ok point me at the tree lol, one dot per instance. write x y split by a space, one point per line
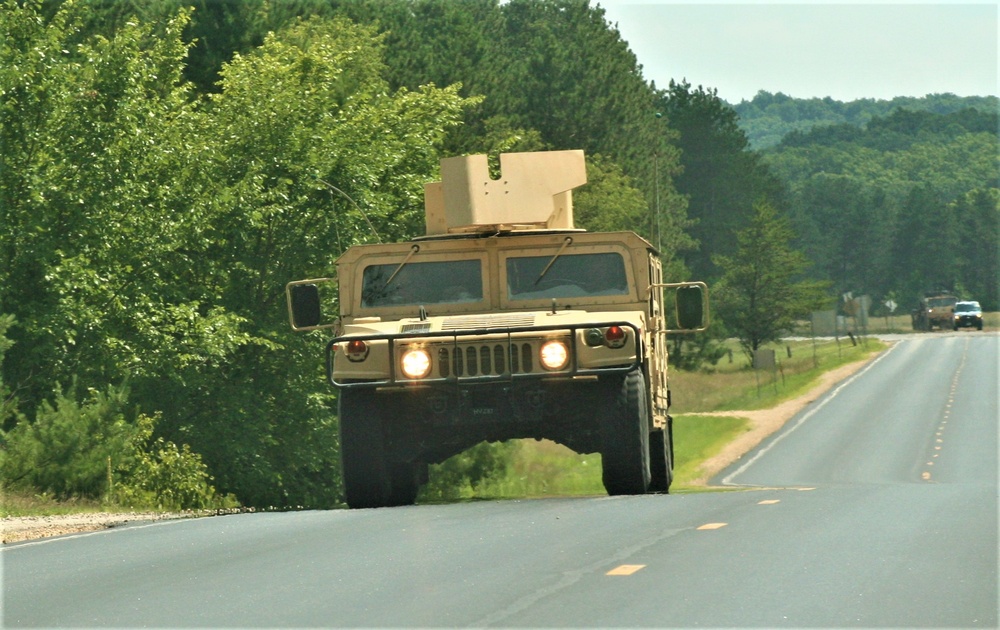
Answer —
759 296
147 235
978 214
721 176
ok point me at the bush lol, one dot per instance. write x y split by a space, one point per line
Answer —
66 450
159 474
91 450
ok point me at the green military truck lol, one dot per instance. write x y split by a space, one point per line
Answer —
504 321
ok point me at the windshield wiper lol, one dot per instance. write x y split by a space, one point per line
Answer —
413 250
566 243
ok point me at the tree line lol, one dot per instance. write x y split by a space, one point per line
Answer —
165 170
767 118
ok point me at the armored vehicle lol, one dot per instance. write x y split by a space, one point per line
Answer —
936 308
504 321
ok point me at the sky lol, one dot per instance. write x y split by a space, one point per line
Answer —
846 51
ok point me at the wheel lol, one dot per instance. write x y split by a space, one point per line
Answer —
979 326
404 482
625 435
370 479
661 461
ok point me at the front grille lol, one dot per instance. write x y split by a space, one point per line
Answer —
485 359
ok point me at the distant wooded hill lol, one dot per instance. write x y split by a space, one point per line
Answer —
768 118
905 203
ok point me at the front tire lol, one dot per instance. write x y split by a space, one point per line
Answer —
371 480
661 465
625 435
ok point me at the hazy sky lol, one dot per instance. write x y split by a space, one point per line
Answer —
804 49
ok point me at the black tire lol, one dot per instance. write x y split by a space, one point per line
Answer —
625 435
979 326
404 481
661 464
370 479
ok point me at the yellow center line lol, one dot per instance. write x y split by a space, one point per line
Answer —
713 526
626 569
769 502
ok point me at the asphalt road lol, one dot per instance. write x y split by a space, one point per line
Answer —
876 506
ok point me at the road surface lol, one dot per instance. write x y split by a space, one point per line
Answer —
876 506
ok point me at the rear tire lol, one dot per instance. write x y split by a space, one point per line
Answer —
625 435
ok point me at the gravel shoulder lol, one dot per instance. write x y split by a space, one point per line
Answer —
763 423
17 529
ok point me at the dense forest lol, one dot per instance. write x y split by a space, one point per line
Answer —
165 170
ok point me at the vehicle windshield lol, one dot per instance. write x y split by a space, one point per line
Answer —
421 283
966 307
569 276
933 302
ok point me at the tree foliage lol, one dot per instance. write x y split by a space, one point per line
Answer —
885 209
148 234
761 292
768 118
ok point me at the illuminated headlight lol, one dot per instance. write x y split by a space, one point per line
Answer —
415 363
554 355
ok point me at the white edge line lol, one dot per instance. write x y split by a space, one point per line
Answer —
727 480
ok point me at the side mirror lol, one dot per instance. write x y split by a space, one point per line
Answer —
690 308
304 305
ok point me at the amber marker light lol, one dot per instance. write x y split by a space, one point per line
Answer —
554 355
357 350
615 336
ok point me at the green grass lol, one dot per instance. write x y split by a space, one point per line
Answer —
543 468
734 385
13 504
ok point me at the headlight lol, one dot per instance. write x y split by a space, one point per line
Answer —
416 363
554 355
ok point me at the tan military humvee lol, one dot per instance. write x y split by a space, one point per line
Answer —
936 308
503 322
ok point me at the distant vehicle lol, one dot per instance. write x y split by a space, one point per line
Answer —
505 321
936 308
967 315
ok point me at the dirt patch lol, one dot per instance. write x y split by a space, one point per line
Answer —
764 422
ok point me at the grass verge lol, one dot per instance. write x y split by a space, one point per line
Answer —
543 468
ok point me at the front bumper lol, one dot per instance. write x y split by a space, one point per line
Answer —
502 354
968 322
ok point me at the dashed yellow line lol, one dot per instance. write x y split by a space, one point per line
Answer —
712 526
769 502
626 569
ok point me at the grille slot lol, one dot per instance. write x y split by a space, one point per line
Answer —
485 359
